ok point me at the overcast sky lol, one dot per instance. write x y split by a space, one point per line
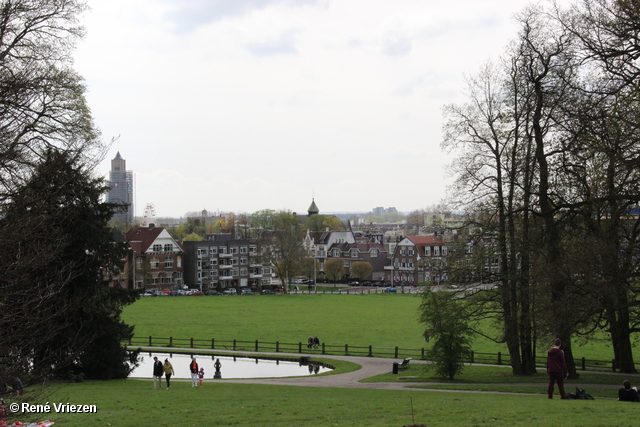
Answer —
242 105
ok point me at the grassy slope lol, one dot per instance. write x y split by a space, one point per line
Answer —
387 321
134 403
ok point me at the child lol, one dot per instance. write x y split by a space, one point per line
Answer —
201 375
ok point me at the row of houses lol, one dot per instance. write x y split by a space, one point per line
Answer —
157 260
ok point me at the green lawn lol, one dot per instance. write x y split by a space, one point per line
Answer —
382 320
378 320
134 403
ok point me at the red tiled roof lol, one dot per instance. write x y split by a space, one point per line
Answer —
426 240
140 239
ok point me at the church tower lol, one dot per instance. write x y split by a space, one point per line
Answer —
121 183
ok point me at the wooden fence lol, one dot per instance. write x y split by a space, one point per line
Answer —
343 350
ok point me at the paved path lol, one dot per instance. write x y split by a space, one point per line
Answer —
370 366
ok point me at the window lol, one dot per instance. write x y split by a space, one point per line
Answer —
168 263
427 251
168 247
234 271
154 263
244 271
373 253
346 263
444 251
243 260
179 262
234 261
436 251
335 253
214 261
223 249
213 250
234 250
244 250
214 273
157 248
266 270
138 263
354 253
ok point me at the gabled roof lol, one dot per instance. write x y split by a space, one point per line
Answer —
141 238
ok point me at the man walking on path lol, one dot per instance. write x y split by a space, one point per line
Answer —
157 373
557 369
193 367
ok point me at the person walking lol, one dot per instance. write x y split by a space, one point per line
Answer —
193 367
168 371
557 369
157 373
201 376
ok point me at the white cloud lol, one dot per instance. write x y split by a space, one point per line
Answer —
247 105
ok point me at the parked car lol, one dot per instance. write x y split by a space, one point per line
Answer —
194 292
160 294
354 283
211 292
167 291
268 292
230 291
179 293
390 289
246 291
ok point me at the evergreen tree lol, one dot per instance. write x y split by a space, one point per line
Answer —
59 314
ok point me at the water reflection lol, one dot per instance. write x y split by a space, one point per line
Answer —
231 367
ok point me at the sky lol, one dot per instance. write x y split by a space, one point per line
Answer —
244 105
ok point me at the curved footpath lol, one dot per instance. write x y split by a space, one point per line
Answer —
370 367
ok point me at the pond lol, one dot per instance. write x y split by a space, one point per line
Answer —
232 367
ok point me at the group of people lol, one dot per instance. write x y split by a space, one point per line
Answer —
166 369
558 372
159 369
313 342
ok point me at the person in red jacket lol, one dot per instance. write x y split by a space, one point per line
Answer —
557 369
193 367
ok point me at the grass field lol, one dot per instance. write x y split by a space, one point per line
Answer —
134 403
382 320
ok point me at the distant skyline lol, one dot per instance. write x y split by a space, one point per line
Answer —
263 104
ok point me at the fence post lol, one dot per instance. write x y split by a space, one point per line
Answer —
256 345
613 365
170 341
370 351
299 347
396 352
277 346
234 345
472 356
499 358
150 345
422 353
213 343
584 364
322 348
346 349
191 342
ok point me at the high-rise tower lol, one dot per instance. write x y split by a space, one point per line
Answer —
121 183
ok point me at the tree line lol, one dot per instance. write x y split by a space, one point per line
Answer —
547 165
